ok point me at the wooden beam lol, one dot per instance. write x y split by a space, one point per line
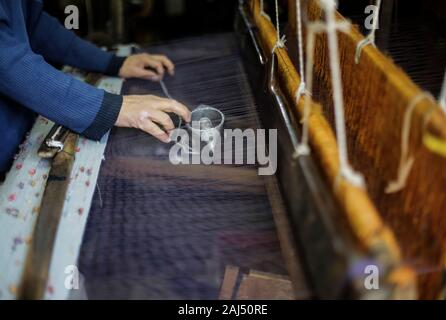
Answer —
361 215
35 276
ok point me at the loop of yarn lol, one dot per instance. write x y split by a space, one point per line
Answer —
332 27
370 39
280 40
262 11
406 161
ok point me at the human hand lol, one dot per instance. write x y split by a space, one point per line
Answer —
148 113
136 66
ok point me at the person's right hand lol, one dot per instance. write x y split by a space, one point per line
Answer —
150 114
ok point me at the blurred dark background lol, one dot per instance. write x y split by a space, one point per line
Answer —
412 32
147 21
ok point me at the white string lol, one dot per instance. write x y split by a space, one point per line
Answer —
407 161
262 11
165 91
301 90
304 148
332 26
100 195
300 40
276 2
313 28
370 39
442 99
280 43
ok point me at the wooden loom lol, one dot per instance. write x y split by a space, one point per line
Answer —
372 231
406 230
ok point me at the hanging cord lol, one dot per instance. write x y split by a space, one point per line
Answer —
304 148
302 86
313 28
406 160
346 171
280 43
442 99
262 11
370 39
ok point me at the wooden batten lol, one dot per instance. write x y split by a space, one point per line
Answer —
376 94
361 214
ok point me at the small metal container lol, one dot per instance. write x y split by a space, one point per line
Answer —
205 128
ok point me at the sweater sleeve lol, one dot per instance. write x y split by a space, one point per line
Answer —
29 80
57 44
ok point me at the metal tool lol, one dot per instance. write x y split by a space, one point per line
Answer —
54 142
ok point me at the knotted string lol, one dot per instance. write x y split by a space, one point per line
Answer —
302 86
346 171
280 43
370 39
406 161
304 148
262 11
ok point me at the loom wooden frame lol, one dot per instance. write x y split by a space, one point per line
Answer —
371 228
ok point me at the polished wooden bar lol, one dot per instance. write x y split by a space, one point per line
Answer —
360 212
377 94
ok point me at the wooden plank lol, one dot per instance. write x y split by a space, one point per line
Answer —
288 246
229 283
35 276
265 286
360 211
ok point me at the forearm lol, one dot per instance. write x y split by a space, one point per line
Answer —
57 44
29 80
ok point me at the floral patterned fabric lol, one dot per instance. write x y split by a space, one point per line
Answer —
20 197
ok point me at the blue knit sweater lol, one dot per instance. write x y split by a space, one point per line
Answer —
29 85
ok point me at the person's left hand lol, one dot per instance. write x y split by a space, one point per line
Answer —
146 66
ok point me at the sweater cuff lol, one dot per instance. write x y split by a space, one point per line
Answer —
114 65
105 118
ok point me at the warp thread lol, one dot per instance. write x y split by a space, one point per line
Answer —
164 88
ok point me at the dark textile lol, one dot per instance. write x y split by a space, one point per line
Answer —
159 231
